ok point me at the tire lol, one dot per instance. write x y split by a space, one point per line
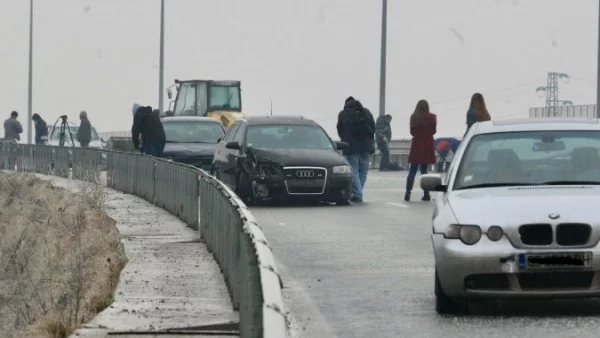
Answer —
243 188
445 305
342 202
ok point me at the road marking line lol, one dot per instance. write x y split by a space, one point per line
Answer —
402 205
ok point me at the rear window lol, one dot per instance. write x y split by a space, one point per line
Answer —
192 131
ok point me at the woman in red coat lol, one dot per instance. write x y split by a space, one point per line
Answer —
423 125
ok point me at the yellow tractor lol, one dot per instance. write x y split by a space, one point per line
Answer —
221 100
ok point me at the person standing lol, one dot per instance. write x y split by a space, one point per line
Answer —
41 129
149 126
423 125
356 127
383 136
84 133
477 111
12 127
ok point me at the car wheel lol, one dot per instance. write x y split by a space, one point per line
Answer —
244 188
445 304
342 201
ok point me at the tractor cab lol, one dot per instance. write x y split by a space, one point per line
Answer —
221 100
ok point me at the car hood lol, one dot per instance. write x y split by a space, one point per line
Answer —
299 157
189 149
520 205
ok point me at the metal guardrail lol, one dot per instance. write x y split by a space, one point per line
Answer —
226 225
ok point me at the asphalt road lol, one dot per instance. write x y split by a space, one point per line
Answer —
367 271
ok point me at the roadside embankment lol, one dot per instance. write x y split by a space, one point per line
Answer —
60 256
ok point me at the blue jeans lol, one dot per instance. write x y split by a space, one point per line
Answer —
360 167
154 149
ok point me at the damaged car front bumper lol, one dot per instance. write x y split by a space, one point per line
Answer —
270 182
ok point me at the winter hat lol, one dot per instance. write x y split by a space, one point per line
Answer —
135 108
350 98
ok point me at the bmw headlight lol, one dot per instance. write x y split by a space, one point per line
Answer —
468 234
342 169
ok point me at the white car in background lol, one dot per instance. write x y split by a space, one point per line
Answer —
517 217
54 136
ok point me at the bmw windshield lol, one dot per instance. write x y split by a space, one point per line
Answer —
530 158
288 137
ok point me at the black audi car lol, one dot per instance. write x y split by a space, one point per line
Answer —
192 139
280 158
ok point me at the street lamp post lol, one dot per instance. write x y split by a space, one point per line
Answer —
382 71
598 73
30 89
162 57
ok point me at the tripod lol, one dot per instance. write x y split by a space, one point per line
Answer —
64 127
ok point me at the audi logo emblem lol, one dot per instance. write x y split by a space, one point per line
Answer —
305 173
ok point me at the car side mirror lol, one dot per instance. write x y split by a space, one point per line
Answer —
170 94
219 140
341 145
102 140
433 182
233 145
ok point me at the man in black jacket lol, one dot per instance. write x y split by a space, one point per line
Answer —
41 129
356 127
150 127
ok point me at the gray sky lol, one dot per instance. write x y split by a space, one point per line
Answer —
305 55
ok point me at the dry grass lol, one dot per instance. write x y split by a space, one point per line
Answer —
60 257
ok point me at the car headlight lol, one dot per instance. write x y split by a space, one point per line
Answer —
495 233
468 234
342 169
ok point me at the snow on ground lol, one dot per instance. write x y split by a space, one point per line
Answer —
171 280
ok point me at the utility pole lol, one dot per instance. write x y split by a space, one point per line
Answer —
551 89
161 71
382 71
598 73
30 84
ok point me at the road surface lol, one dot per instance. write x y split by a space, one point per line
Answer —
367 271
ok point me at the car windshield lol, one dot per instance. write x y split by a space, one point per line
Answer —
530 158
55 135
288 137
192 132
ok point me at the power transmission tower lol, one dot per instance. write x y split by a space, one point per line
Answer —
551 90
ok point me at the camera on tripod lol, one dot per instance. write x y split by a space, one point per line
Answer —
64 129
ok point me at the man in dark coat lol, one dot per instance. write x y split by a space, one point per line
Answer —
356 127
41 129
149 125
84 133
383 135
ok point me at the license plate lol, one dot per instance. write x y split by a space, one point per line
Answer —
555 260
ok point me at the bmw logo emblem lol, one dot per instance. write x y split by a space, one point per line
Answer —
554 215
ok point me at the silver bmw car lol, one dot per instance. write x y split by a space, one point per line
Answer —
518 214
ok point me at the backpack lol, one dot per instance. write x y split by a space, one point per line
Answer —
360 126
